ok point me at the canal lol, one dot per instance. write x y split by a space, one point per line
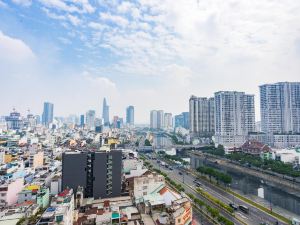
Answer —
254 187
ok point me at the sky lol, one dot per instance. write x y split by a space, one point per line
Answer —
152 54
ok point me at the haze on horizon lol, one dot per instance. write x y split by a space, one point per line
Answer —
148 53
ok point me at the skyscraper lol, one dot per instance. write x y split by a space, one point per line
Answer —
280 108
130 115
156 119
81 120
202 120
90 119
47 116
234 117
105 113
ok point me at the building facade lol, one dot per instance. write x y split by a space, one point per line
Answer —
99 173
168 121
47 116
280 108
105 113
90 119
157 119
234 117
201 116
130 115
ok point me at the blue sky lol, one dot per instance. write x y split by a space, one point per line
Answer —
148 53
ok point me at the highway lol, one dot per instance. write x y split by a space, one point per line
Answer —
255 216
191 188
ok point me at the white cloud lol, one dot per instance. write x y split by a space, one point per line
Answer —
23 2
98 81
118 20
96 26
15 50
74 20
79 6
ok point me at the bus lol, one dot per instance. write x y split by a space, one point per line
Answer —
244 209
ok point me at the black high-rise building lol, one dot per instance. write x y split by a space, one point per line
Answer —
99 173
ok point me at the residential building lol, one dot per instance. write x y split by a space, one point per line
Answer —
99 172
202 120
234 117
146 184
130 115
157 119
61 210
105 113
90 119
280 108
36 159
9 191
47 116
168 121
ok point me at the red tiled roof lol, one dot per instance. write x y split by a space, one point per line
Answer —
64 193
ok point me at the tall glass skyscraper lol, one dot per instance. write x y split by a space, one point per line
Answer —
47 116
130 115
105 113
280 108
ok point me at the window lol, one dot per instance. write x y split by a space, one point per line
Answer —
144 187
144 193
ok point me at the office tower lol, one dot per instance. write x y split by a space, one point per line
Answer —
130 115
14 120
186 120
47 116
201 116
90 119
156 119
182 120
168 121
178 121
98 172
280 108
81 120
105 113
234 117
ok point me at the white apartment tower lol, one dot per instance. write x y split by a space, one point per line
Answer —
201 113
280 108
157 119
234 117
168 121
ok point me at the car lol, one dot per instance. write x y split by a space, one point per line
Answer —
232 205
198 185
171 168
180 173
195 181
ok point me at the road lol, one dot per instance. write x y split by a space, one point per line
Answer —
255 216
189 186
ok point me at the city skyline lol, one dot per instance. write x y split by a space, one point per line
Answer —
75 53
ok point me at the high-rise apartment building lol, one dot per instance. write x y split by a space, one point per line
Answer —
130 115
202 121
105 113
99 173
90 119
234 117
157 119
168 121
280 108
47 116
